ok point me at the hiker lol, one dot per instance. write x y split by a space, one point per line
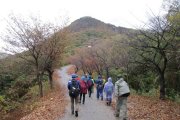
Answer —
90 85
109 89
92 90
86 77
121 92
74 90
99 87
104 80
77 78
83 90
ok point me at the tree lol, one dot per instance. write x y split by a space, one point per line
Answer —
29 39
152 48
53 51
173 17
120 56
103 56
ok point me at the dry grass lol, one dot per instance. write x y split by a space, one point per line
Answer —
145 108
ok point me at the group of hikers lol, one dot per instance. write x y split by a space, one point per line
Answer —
79 87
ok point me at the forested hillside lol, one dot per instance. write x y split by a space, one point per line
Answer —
148 58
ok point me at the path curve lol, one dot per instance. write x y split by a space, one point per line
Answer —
93 109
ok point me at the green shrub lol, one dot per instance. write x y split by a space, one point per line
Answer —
18 88
172 95
114 72
7 105
143 83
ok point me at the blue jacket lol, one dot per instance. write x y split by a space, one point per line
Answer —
70 84
99 82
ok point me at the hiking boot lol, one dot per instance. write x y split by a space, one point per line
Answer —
106 103
76 113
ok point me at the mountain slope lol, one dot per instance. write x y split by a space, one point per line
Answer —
3 55
85 23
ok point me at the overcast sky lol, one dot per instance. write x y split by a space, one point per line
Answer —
126 13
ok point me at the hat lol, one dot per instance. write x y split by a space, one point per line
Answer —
99 76
119 76
73 75
83 77
109 79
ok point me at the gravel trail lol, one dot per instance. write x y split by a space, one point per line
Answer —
93 109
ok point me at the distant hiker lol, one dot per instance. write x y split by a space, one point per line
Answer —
77 78
99 87
83 90
109 89
86 77
92 90
121 92
104 80
90 83
74 90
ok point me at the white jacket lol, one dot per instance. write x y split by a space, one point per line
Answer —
121 87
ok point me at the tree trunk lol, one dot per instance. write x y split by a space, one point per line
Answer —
40 85
107 73
83 70
162 87
50 73
127 77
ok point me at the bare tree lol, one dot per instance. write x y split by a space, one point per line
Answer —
29 39
53 51
152 48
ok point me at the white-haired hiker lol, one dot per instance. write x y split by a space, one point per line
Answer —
121 93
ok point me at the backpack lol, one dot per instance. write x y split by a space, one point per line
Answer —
83 85
100 85
90 83
74 90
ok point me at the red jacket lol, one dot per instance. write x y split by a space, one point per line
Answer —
84 86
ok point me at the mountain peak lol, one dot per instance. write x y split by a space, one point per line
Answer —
88 22
85 23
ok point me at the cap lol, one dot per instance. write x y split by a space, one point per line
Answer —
73 75
119 76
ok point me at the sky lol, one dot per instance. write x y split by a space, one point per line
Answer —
125 13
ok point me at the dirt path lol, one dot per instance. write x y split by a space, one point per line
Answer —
93 109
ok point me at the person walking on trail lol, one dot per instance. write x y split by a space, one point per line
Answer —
77 78
83 90
104 80
121 93
109 89
90 85
99 87
74 90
